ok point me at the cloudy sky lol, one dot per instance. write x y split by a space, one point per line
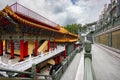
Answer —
64 12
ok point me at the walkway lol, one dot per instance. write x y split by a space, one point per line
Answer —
106 63
71 71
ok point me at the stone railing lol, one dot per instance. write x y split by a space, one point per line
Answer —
24 65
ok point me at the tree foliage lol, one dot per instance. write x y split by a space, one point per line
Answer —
73 28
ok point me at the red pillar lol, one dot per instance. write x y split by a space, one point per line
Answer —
74 46
5 45
21 50
37 70
56 60
26 49
1 47
12 49
59 58
65 52
36 48
22 75
54 45
48 45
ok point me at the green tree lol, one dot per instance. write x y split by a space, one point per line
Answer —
73 28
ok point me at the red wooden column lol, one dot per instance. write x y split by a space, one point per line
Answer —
74 46
36 47
65 52
37 70
54 45
48 45
26 49
21 50
56 60
11 49
5 45
59 58
1 47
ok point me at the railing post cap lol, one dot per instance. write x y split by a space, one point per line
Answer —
88 55
87 46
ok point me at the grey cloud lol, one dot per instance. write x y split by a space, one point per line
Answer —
63 12
69 20
58 9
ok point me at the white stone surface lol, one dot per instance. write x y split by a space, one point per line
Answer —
27 63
